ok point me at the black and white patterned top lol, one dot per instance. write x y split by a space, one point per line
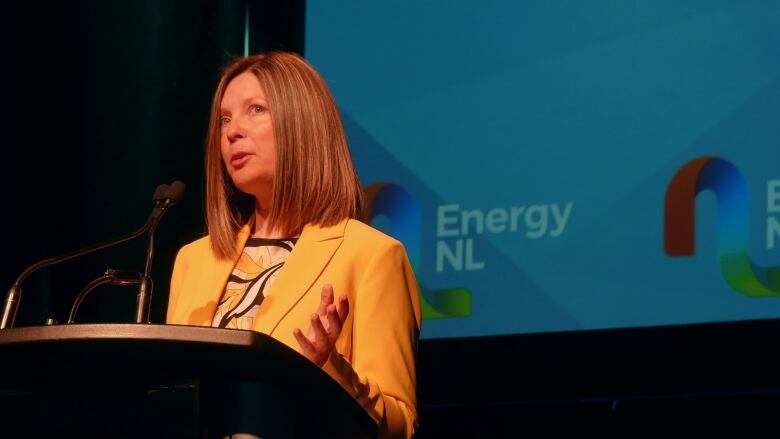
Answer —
250 281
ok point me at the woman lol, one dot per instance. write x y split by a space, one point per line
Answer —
282 202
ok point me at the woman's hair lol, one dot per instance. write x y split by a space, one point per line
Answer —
315 181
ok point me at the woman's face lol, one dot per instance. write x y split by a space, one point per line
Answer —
247 137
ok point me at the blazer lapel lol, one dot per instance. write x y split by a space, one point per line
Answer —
213 282
309 257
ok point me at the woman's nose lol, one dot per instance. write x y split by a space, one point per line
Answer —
235 132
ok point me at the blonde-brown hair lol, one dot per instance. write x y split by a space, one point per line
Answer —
315 181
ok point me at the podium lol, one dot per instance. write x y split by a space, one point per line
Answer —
140 380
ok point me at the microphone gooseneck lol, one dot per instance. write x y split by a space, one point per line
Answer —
110 277
164 197
172 196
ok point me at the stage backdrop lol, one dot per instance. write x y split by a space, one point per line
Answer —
555 166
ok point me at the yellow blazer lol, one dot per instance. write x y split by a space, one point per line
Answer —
376 351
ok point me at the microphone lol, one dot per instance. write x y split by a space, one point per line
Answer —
164 197
159 194
172 195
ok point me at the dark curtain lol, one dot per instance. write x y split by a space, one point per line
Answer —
100 102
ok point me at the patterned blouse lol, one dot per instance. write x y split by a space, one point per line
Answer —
250 281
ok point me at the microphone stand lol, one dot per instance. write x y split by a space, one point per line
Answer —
11 304
143 299
173 195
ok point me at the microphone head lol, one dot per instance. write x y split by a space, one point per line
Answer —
159 194
175 192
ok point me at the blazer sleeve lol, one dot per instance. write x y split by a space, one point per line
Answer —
381 373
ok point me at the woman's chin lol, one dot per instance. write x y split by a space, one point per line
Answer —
258 188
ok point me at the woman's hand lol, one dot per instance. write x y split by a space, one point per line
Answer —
325 327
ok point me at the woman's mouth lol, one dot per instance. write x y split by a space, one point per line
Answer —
238 159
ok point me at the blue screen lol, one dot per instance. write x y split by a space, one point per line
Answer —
556 166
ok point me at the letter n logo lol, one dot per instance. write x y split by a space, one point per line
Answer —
730 188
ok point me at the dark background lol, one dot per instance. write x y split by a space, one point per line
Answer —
102 101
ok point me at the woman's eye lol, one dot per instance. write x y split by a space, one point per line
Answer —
257 109
224 120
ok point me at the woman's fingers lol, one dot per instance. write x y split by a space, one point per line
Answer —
343 308
334 323
307 348
326 325
320 335
312 346
326 298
